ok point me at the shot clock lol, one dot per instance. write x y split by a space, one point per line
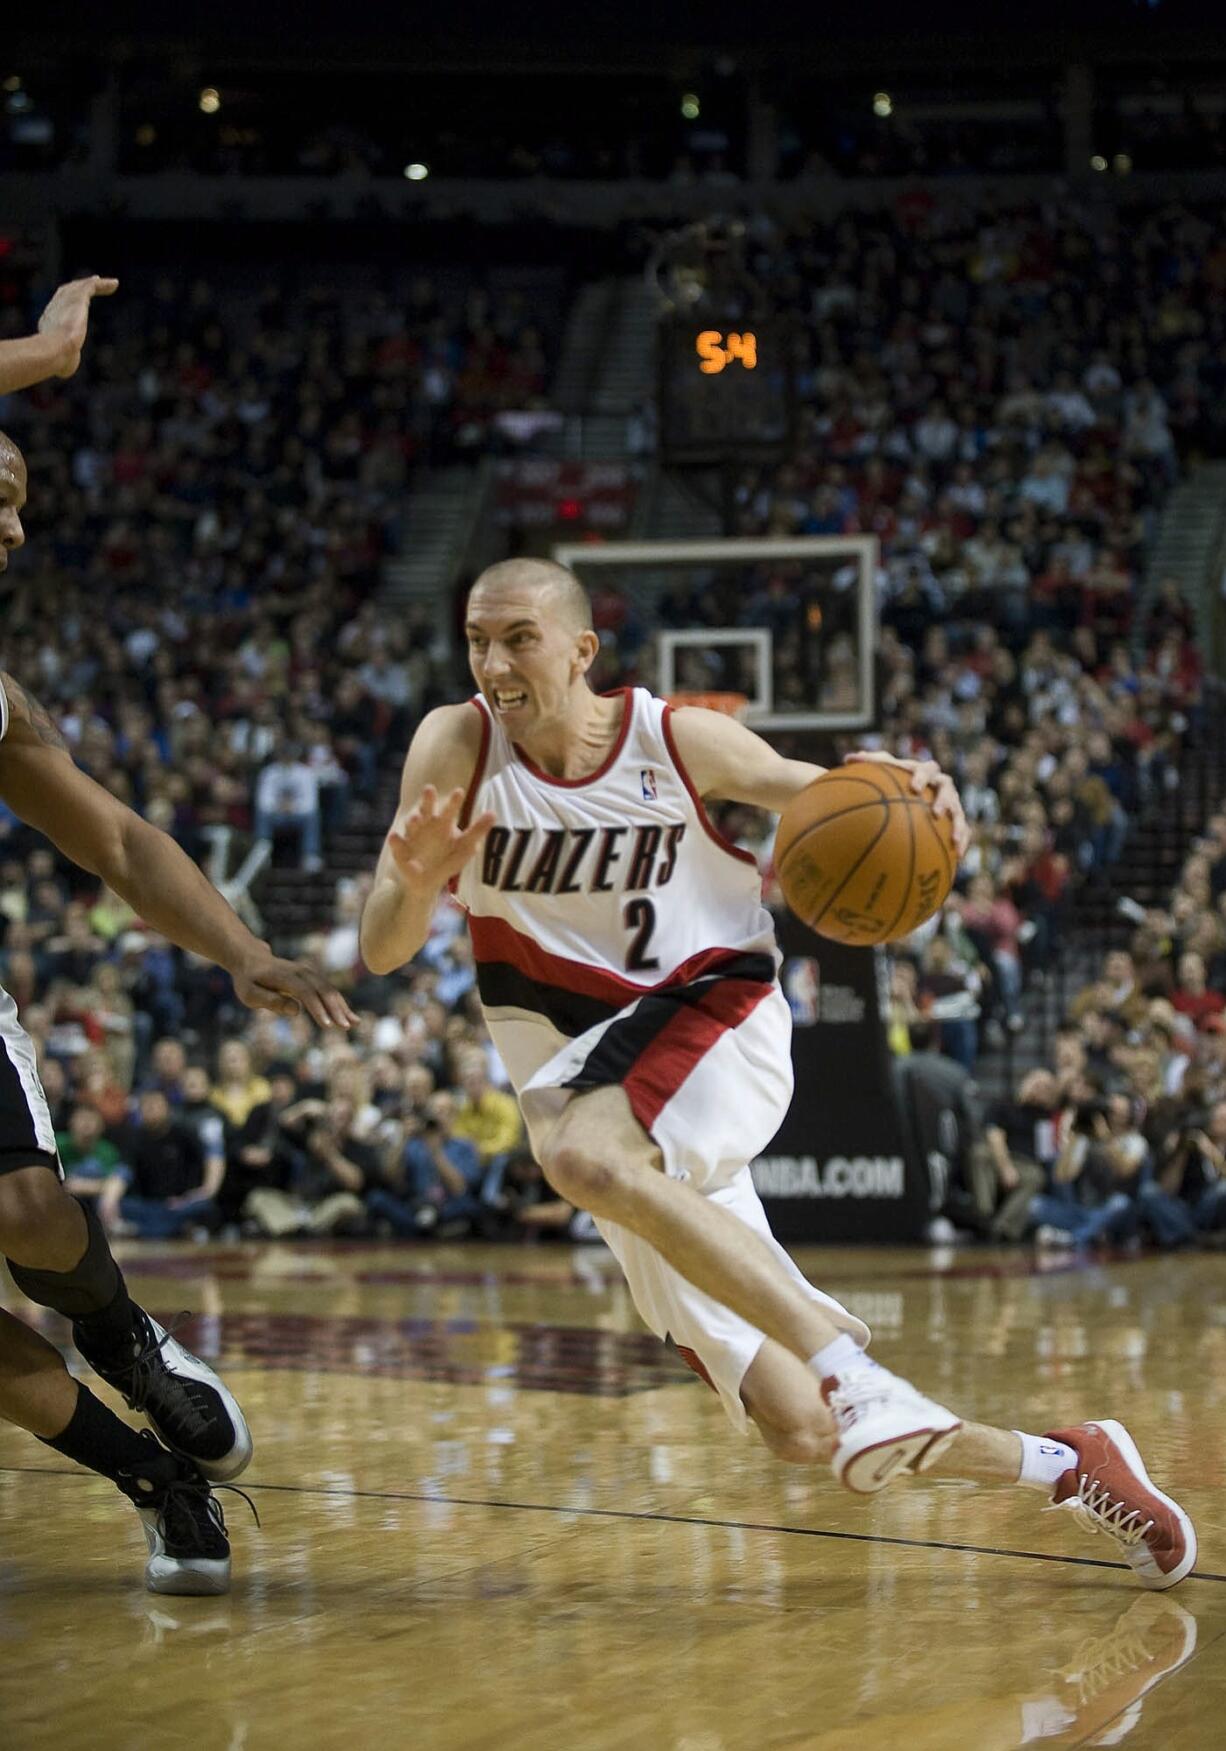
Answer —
716 351
725 393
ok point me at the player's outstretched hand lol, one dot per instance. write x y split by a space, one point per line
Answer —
927 775
67 317
263 981
430 846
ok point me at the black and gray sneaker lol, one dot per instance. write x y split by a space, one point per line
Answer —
189 1552
184 1400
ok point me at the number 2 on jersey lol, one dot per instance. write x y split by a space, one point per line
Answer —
640 916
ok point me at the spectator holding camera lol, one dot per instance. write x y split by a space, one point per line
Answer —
436 1185
1090 1193
331 1166
1189 1192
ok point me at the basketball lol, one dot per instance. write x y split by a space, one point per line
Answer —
862 858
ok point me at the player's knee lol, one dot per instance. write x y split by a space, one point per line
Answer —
799 1442
579 1176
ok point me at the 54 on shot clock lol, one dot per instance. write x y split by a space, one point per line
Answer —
726 392
717 351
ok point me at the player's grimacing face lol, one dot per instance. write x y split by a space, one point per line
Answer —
12 500
523 658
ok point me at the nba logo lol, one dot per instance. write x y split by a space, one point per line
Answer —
648 777
802 986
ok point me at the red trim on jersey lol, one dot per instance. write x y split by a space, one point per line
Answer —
493 939
470 795
610 757
693 1360
711 830
678 1048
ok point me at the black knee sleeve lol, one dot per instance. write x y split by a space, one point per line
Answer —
88 1288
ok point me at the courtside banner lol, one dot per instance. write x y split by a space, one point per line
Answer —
838 1169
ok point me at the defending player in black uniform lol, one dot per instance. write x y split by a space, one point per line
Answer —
55 1247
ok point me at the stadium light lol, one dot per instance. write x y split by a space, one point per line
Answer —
691 109
1121 164
417 172
883 104
1098 162
210 100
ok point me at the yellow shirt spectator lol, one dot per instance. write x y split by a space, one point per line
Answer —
485 1116
238 1090
491 1122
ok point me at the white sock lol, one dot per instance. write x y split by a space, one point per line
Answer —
1044 1462
839 1356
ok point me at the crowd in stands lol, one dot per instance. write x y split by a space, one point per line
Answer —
1001 397
400 1130
210 507
1010 436
1121 1139
209 513
1004 398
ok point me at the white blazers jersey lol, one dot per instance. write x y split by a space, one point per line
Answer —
619 940
592 894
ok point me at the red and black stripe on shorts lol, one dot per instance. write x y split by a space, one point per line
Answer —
661 1032
652 1050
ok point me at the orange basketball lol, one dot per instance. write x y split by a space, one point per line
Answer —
861 857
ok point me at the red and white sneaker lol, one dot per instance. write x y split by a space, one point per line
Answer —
885 1427
1109 1490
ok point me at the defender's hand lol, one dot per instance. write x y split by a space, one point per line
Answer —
927 775
67 317
430 848
263 981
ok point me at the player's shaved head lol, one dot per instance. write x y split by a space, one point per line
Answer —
564 595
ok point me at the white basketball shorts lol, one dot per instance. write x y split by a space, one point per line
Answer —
711 1087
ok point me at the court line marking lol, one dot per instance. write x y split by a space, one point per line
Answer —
296 1489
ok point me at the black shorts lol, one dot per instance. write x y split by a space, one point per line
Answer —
27 1136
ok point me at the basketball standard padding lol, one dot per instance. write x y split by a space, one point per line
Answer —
861 857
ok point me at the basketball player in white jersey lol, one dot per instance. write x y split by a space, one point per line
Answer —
56 1250
627 971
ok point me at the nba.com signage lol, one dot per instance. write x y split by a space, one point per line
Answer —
838 1169
855 1176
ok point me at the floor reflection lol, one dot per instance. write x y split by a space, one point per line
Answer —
496 1513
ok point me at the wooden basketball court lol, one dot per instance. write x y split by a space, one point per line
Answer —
496 1513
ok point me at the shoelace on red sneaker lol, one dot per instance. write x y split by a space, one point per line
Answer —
1098 1510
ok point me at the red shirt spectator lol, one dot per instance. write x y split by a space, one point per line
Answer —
1192 996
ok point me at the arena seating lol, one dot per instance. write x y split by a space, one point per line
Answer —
1014 483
